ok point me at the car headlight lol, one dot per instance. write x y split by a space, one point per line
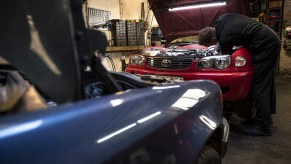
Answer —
206 63
219 62
240 61
222 62
137 59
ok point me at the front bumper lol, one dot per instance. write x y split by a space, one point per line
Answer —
234 85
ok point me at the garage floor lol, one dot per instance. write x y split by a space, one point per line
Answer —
264 150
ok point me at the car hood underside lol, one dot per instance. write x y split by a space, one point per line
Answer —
191 21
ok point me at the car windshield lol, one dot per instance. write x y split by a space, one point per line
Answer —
187 39
188 42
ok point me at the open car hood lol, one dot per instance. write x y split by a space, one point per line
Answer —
176 24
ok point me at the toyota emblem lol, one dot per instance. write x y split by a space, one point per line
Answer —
166 63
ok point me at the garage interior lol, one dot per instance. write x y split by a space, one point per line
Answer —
72 88
123 11
241 149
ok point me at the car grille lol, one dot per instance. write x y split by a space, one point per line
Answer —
169 62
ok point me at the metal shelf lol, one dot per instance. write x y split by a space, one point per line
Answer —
124 48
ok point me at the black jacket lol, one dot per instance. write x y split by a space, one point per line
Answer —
239 30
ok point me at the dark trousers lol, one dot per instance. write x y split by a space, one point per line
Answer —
263 88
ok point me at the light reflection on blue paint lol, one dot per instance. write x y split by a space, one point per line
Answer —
116 102
185 103
14 130
207 121
128 127
149 117
115 133
166 87
189 99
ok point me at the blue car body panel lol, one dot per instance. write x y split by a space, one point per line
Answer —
46 46
115 127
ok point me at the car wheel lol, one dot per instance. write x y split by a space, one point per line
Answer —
208 156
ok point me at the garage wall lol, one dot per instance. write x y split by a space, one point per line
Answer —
109 5
285 57
287 11
125 10
131 9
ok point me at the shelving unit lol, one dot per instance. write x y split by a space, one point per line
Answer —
269 12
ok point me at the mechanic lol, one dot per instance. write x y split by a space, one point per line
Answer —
264 46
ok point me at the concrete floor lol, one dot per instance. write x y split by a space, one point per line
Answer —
264 150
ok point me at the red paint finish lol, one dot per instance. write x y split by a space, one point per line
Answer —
234 81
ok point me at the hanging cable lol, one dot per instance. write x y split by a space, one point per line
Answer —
108 58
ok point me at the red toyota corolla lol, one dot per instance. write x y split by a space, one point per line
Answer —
178 63
183 59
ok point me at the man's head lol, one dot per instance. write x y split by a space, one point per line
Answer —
207 36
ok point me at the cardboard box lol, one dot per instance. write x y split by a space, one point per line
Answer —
274 4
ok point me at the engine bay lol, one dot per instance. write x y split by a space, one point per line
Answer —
181 51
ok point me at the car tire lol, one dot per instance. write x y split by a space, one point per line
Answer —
208 156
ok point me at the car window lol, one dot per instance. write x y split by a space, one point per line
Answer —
187 39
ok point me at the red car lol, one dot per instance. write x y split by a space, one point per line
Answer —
183 59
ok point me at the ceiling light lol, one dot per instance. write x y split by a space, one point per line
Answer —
198 6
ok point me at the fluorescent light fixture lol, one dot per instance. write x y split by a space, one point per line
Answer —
198 6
